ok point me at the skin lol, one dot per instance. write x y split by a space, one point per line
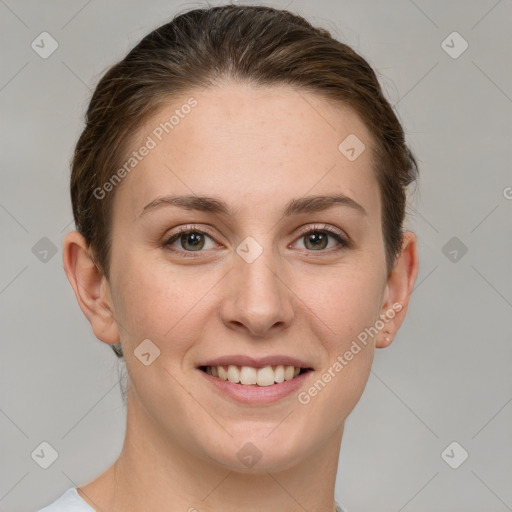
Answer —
255 149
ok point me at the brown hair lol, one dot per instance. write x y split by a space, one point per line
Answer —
200 48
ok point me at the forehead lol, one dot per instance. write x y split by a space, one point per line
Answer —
245 143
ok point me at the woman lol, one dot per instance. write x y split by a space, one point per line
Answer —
239 192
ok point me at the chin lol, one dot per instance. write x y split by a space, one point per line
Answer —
259 448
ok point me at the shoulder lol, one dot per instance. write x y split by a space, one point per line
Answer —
70 501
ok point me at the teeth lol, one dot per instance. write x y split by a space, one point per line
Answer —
248 375
279 373
288 372
223 374
233 373
265 376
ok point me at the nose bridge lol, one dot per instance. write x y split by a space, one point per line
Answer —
259 300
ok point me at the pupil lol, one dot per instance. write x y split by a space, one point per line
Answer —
193 240
318 240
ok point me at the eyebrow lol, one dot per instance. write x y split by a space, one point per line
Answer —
306 204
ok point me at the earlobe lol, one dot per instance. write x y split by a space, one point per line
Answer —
91 287
399 287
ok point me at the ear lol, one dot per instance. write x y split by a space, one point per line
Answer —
400 283
91 287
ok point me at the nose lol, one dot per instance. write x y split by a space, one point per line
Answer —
258 299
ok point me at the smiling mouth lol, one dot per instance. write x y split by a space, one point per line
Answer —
250 376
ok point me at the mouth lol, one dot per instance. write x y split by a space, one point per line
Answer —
255 376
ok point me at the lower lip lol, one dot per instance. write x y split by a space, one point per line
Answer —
256 394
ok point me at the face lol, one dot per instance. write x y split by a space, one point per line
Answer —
248 271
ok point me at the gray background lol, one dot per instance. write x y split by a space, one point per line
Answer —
446 377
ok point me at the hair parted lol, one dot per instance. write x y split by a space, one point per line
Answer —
204 48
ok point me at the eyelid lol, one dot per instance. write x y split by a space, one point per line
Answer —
190 228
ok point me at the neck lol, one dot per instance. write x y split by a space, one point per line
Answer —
153 473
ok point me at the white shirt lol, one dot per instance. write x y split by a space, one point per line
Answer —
71 501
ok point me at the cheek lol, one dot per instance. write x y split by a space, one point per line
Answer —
342 307
342 303
341 311
162 305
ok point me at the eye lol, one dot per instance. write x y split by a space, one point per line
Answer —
319 238
316 238
190 240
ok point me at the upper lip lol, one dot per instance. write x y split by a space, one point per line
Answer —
257 362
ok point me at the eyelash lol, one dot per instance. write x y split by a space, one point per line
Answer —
185 230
